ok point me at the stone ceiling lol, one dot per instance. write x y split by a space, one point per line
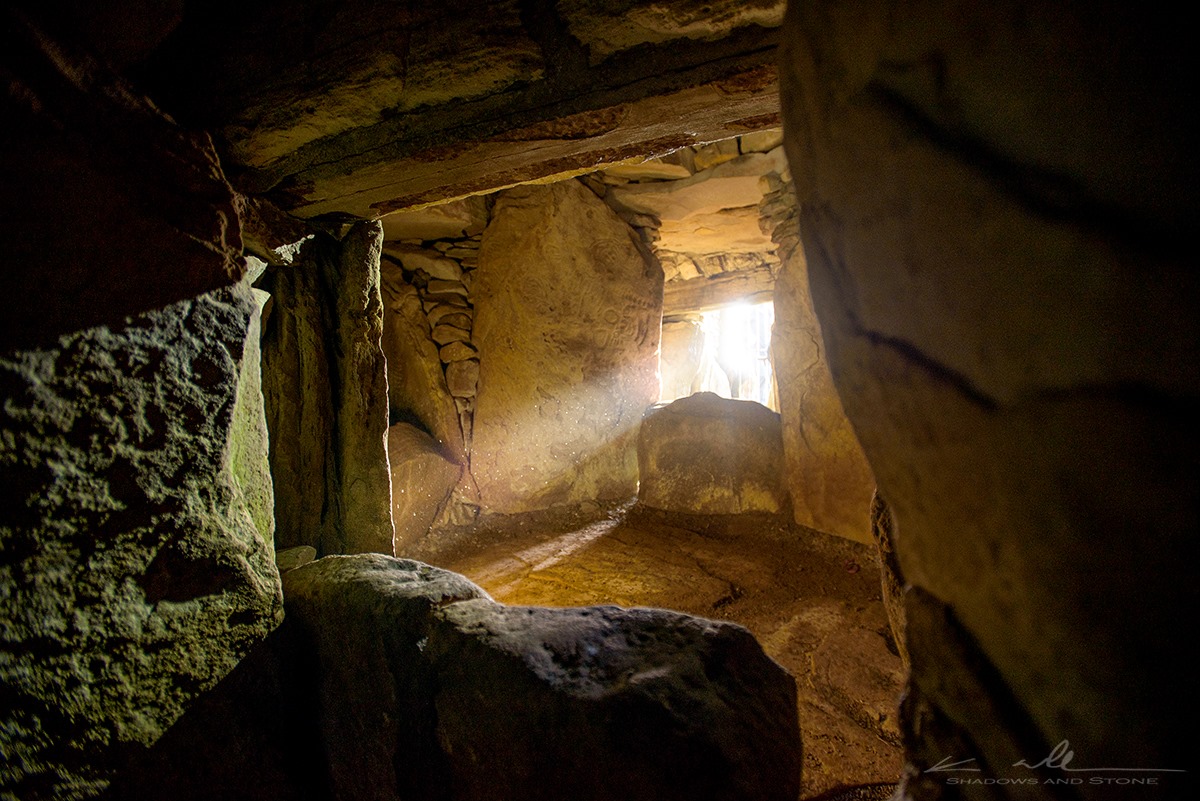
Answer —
360 108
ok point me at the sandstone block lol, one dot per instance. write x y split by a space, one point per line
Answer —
422 479
416 381
458 218
457 351
418 258
828 476
463 377
327 396
710 455
568 357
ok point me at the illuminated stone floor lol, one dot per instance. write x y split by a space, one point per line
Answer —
812 600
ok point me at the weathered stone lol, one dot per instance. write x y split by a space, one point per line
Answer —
606 29
828 476
679 361
709 218
461 320
416 382
1010 312
437 312
760 141
431 300
727 186
269 233
639 703
568 357
439 286
422 479
292 558
708 294
418 258
463 377
710 455
457 351
137 563
129 218
326 388
710 156
445 334
645 703
419 106
883 531
453 220
297 391
647 170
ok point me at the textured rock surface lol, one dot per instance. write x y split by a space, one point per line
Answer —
416 105
811 600
567 323
468 699
76 261
681 357
1010 310
326 388
712 214
422 479
710 455
883 531
459 218
137 566
828 477
416 383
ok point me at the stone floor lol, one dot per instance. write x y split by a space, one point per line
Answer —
811 599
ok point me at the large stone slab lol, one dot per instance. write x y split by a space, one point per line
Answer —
422 479
568 311
1008 300
829 480
419 105
137 566
428 689
710 455
325 381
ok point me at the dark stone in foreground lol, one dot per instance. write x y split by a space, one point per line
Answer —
393 679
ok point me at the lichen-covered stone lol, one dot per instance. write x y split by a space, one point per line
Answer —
710 455
429 689
137 566
568 311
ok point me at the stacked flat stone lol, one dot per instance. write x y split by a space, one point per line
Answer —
442 272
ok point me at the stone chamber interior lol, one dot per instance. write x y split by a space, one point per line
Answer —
372 425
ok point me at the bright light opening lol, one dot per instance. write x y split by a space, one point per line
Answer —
726 351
